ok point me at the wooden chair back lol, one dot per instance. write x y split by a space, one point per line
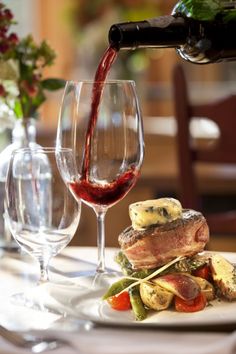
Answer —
223 112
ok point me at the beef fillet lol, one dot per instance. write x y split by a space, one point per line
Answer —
158 245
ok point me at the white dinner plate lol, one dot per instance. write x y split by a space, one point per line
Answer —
219 314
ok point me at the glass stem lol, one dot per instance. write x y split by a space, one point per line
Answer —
101 239
43 263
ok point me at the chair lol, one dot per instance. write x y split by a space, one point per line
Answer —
223 113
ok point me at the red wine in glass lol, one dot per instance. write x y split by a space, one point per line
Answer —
108 194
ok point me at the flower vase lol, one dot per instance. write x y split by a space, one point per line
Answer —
23 135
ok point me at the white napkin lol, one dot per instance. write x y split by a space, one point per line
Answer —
120 341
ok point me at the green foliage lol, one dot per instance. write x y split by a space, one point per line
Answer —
23 61
17 109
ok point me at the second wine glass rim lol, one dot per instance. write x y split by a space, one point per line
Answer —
41 149
109 81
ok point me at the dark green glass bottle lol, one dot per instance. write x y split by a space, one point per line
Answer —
202 31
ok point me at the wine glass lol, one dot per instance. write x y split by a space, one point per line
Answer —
101 122
42 214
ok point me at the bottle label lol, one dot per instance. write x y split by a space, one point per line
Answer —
206 10
161 22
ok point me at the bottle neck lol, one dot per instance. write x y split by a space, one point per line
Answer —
165 31
24 132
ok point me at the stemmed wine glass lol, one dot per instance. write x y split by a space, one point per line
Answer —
101 122
42 214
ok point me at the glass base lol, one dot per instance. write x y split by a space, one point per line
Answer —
103 279
96 280
39 299
61 298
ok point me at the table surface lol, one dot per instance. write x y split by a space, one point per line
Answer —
20 272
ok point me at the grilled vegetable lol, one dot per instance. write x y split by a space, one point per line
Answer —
138 308
206 287
127 269
117 287
224 276
182 285
120 302
155 297
203 272
194 305
124 264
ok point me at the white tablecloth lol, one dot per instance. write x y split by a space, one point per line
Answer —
108 341
16 274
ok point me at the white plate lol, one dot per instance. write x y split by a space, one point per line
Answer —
219 313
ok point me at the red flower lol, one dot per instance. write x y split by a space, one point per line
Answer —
8 14
13 38
2 91
30 88
4 47
3 31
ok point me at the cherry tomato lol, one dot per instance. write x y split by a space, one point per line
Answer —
197 304
203 272
120 302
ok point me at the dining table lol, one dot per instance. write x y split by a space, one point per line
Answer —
70 306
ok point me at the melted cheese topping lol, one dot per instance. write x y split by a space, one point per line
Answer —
154 212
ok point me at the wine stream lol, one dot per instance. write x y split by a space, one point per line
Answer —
100 77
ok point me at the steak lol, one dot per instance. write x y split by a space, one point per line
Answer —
158 245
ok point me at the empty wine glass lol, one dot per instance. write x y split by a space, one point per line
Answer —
41 212
101 122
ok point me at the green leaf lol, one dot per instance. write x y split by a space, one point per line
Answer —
53 84
46 52
18 109
25 104
36 102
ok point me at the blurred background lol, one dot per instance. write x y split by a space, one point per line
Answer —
77 30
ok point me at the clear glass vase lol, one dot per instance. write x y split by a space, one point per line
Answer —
23 135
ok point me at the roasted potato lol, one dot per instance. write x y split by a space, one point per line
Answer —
206 287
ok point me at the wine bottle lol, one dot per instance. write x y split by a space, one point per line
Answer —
201 31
